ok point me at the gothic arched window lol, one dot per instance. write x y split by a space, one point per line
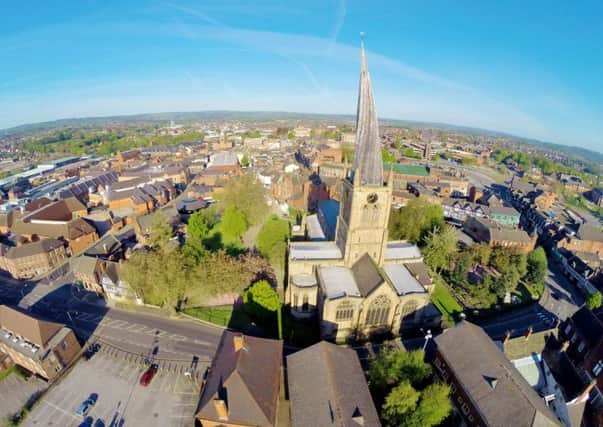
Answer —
378 312
344 311
365 215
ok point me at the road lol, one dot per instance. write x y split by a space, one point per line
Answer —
168 339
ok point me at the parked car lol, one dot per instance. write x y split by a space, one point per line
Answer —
91 350
147 377
87 404
87 422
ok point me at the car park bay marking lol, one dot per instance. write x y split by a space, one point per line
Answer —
58 408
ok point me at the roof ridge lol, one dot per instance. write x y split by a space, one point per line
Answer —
337 404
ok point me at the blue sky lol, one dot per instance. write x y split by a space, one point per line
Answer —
529 68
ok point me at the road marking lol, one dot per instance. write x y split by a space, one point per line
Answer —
60 409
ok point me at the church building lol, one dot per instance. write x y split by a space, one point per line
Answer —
361 284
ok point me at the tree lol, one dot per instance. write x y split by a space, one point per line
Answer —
537 266
440 247
392 366
198 226
160 232
480 253
401 401
433 408
262 302
416 219
233 223
273 231
244 161
246 194
593 301
462 264
387 157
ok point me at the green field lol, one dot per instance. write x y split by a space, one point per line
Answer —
447 305
223 315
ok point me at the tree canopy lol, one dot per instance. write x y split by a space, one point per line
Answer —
593 301
246 193
415 220
440 247
537 266
233 223
160 232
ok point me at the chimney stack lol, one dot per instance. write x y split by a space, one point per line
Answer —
221 408
238 342
506 338
529 334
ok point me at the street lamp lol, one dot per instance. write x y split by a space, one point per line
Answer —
428 336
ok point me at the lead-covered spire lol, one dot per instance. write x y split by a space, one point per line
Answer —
368 146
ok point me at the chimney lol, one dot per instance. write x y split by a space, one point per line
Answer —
529 333
105 248
564 346
221 408
506 338
238 342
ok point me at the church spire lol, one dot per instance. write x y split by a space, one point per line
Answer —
368 145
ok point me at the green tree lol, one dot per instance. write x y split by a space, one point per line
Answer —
537 266
160 232
198 226
387 157
462 264
392 366
262 302
416 219
273 231
246 194
244 161
291 134
440 247
399 403
233 223
593 301
433 408
480 253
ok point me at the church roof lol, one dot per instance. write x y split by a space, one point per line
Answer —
368 145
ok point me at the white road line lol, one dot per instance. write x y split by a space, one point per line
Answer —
60 409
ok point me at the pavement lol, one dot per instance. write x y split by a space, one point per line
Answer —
170 399
17 392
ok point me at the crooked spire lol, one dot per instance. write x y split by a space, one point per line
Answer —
368 146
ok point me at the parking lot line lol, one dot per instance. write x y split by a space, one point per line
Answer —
58 408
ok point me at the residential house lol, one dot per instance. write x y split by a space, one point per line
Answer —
486 389
582 338
485 231
459 210
243 382
115 288
588 239
32 259
87 270
403 174
505 216
44 348
333 392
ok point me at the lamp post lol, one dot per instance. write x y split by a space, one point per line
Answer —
428 336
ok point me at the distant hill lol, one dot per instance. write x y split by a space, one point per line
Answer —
281 115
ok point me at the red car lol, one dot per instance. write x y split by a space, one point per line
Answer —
147 377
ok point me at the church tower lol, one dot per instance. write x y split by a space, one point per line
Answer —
366 200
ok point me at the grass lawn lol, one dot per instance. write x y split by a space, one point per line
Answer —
9 371
223 315
447 305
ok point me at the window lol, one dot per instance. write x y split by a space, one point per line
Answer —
295 300
574 338
305 304
568 329
581 347
378 311
598 368
365 215
64 345
345 311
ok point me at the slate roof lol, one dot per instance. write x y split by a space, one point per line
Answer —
314 250
401 250
69 230
37 331
338 282
591 232
367 275
333 392
476 362
247 379
403 282
85 265
34 248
